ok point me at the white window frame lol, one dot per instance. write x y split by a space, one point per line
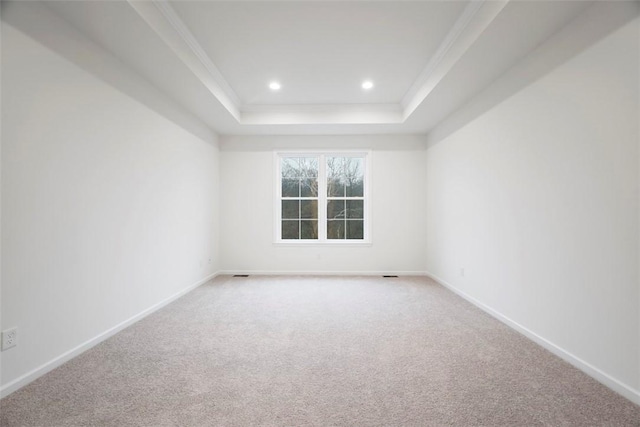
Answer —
322 198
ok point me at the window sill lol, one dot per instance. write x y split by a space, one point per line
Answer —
319 244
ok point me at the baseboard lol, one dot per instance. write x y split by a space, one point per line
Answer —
320 273
602 377
25 379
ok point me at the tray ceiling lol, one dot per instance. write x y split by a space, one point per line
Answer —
216 59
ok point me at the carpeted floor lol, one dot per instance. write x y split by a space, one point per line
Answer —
310 351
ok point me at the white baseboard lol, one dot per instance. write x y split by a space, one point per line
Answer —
615 385
25 379
320 273
602 377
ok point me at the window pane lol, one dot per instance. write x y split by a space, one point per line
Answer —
299 167
309 229
335 167
355 208
308 209
355 229
353 169
309 167
309 187
335 209
345 176
290 167
335 229
335 177
290 229
355 187
290 209
290 187
335 187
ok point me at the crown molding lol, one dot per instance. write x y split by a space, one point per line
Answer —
163 19
472 22
322 114
445 46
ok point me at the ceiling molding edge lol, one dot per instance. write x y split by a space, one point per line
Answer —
472 22
322 114
165 22
191 41
458 27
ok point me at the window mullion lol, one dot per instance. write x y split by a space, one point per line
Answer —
322 198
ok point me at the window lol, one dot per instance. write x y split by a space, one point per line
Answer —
322 197
299 205
345 197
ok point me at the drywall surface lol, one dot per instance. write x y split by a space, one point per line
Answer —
108 208
397 214
532 207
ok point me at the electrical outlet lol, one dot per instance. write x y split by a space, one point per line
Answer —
462 272
9 338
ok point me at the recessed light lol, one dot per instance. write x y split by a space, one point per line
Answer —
274 86
367 84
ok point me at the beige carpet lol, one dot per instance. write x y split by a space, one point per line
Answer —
296 351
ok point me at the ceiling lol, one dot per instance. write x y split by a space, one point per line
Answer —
320 51
216 58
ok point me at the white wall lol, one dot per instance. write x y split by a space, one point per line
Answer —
397 197
538 200
108 207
